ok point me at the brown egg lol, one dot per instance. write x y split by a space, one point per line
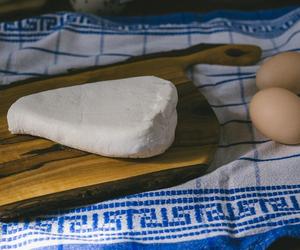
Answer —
275 112
282 70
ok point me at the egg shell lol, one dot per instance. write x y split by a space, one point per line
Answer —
282 70
275 112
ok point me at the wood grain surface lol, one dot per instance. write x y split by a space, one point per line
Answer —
38 175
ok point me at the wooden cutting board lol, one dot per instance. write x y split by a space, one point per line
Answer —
38 175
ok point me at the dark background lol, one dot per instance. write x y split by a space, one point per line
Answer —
158 7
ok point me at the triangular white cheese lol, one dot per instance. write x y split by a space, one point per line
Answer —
132 117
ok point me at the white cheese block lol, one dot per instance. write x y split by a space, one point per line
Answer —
132 117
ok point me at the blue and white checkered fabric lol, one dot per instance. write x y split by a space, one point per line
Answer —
253 195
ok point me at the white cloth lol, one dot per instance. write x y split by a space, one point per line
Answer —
251 196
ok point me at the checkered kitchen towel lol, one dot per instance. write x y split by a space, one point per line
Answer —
252 195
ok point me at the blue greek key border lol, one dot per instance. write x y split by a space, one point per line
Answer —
165 215
33 29
258 241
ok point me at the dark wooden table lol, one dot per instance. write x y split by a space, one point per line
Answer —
158 7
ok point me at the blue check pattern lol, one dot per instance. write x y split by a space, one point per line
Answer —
251 195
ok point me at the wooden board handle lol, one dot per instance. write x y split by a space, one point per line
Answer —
231 54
